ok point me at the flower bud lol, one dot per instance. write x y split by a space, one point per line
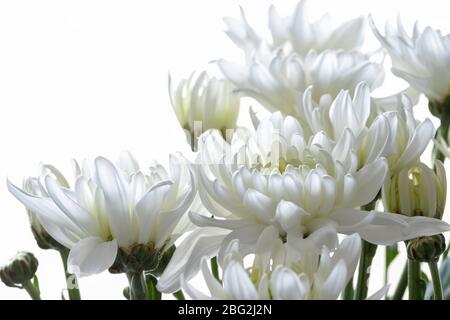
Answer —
19 270
136 259
202 103
417 191
43 239
426 249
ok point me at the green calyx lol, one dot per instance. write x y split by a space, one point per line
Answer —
45 241
19 270
426 249
136 259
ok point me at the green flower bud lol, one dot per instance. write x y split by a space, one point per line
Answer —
20 269
426 249
417 191
136 259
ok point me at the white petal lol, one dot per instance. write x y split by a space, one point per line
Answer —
237 283
203 242
335 283
380 294
286 285
91 256
116 202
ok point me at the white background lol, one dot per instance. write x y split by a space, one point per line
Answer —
86 78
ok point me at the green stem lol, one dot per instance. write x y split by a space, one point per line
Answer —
153 293
71 279
349 291
138 286
413 279
215 268
402 284
367 253
437 286
179 295
32 291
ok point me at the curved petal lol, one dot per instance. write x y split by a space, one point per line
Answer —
237 283
204 242
91 256
287 285
116 202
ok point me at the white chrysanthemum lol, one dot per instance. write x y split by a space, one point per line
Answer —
395 135
301 54
279 179
296 33
112 208
422 59
278 81
205 102
290 271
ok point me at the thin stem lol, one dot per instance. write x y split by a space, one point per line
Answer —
413 279
179 295
367 253
437 286
138 286
349 291
402 284
153 293
215 268
71 279
32 291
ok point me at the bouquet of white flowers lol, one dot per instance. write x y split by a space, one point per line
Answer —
293 208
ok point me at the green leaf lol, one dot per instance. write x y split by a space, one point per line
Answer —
444 273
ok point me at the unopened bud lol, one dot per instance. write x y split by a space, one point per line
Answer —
426 249
20 269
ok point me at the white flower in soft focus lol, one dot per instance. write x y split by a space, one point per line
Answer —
296 33
278 81
422 59
396 135
202 102
112 210
417 191
284 271
277 178
302 54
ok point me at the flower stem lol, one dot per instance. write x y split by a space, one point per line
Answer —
367 253
71 279
153 293
179 295
437 286
402 284
413 279
138 286
349 291
215 268
32 291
